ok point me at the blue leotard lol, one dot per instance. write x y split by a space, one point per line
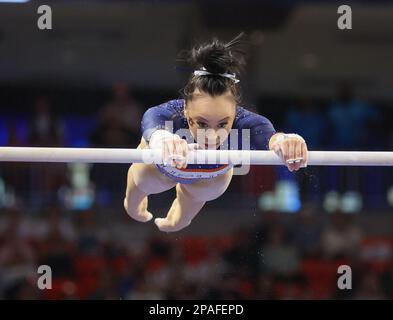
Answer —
171 112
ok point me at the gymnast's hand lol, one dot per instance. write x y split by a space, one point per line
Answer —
174 148
291 148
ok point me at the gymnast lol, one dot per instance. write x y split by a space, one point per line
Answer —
209 104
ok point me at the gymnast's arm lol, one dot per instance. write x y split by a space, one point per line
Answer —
157 130
156 118
291 148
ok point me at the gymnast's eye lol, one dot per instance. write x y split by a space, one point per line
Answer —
223 125
202 125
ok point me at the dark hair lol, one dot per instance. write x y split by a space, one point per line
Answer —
216 57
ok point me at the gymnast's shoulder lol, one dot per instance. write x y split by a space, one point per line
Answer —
175 106
248 119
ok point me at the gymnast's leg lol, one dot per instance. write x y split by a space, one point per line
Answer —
142 180
190 198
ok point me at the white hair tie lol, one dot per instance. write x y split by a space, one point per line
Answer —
204 72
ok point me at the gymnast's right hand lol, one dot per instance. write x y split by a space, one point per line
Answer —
174 148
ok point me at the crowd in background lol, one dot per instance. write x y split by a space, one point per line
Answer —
344 122
276 258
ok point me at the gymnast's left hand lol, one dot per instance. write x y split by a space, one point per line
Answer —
291 148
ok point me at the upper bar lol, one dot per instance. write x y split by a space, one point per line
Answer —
91 155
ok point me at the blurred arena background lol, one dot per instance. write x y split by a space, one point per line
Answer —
274 234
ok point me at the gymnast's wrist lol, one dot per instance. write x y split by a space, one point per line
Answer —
280 136
158 137
274 139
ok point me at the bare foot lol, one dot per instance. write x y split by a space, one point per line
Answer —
141 215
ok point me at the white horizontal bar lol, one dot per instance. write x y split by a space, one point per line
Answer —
91 155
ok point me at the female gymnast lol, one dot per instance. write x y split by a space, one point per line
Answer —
209 104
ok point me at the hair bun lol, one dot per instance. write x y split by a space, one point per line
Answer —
219 57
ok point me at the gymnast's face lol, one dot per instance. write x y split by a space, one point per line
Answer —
210 118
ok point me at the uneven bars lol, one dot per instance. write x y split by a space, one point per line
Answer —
92 155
